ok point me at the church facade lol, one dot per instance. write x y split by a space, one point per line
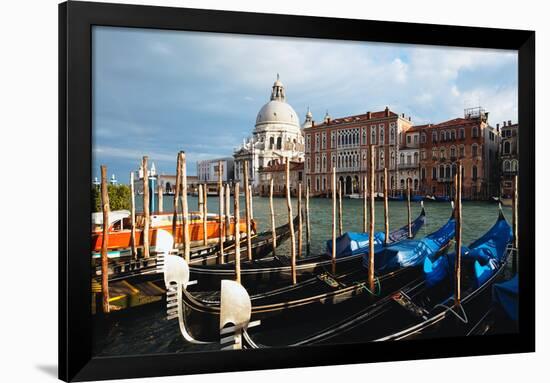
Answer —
277 136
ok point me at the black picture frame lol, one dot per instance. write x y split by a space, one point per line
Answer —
75 143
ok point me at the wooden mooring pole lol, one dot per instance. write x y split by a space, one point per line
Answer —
365 203
145 207
105 240
340 185
220 214
300 222
371 221
290 223
247 213
386 209
228 211
237 234
333 187
251 200
272 214
185 207
176 201
205 215
515 258
458 232
200 199
409 226
133 216
308 228
160 198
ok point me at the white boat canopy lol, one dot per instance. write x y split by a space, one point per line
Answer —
114 216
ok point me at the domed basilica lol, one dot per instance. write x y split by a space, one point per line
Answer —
276 136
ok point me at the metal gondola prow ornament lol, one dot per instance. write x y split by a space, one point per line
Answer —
164 246
176 278
236 310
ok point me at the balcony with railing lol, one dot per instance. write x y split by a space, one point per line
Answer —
411 165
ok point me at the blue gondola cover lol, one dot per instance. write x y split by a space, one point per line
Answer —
352 243
410 253
505 294
486 253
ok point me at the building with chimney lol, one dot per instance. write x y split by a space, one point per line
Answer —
344 143
470 140
277 172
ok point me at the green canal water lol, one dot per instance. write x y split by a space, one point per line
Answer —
478 217
147 331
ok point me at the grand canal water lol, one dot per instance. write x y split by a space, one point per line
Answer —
147 331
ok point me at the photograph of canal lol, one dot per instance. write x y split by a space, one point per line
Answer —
254 191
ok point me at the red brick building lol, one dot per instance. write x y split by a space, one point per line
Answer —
344 143
277 171
469 140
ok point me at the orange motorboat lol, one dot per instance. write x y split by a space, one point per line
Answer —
120 224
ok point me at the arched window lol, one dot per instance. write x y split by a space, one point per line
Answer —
402 184
279 143
434 153
434 136
453 170
442 153
453 134
474 172
475 131
461 151
373 135
441 171
506 166
507 147
448 171
474 150
402 158
443 136
271 142
434 173
381 135
514 165
416 157
453 152
423 138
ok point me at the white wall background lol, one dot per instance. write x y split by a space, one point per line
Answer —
28 213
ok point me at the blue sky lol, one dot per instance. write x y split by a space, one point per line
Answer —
158 92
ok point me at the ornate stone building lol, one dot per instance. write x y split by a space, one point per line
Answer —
344 143
409 161
277 135
508 157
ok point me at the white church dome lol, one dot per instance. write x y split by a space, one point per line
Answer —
277 111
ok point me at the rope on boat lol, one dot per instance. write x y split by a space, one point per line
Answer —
451 309
378 289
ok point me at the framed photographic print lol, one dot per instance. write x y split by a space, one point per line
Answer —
284 191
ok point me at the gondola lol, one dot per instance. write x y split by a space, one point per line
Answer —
423 308
207 255
273 270
199 314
